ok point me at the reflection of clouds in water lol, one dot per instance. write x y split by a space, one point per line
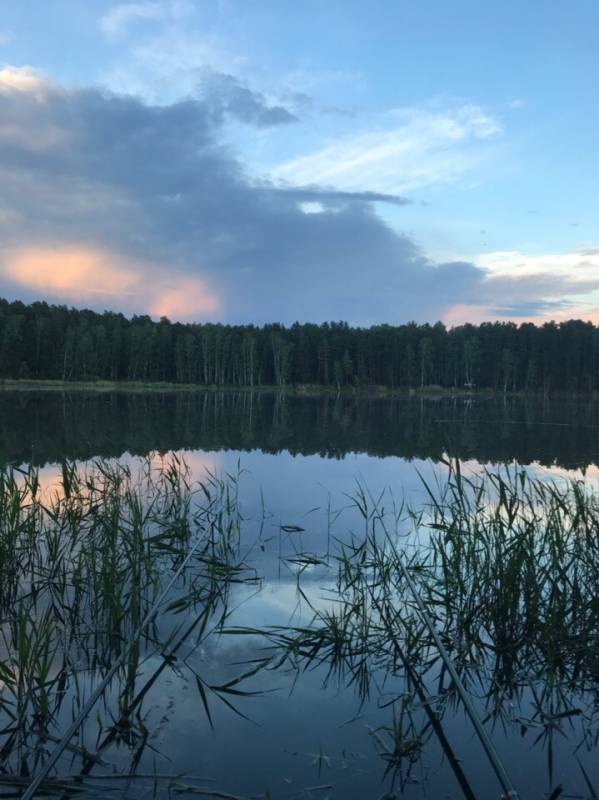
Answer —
199 462
50 482
589 474
280 602
296 719
294 485
315 493
473 469
309 491
535 470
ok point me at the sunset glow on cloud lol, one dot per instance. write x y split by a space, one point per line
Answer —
97 276
23 79
71 272
189 299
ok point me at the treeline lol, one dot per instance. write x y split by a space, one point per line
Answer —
41 341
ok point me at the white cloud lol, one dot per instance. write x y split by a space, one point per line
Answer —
118 19
580 264
168 61
312 208
23 79
542 286
6 37
169 65
416 147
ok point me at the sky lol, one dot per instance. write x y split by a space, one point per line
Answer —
252 161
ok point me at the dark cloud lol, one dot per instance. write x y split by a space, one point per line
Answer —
531 308
538 285
157 185
224 96
336 111
334 199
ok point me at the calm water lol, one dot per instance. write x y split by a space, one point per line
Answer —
300 458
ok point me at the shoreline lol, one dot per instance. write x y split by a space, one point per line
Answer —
294 390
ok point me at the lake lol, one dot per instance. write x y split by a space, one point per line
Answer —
292 472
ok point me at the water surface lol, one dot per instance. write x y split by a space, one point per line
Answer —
298 462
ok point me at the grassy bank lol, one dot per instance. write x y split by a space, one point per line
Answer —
298 390
307 390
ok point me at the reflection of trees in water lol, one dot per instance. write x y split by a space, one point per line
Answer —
44 427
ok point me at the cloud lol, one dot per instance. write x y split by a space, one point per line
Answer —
560 285
6 37
332 198
178 57
175 65
78 274
22 79
116 22
521 286
183 298
169 64
581 263
224 95
109 201
69 272
418 147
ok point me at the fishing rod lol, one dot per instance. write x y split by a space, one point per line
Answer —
101 687
510 793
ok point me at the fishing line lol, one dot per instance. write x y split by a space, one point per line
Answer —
101 687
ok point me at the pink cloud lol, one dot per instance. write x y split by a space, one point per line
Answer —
85 274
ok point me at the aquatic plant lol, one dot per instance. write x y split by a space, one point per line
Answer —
486 594
104 576
115 575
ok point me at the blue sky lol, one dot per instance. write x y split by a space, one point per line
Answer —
270 160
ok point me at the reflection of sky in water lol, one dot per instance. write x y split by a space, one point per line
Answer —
293 486
303 739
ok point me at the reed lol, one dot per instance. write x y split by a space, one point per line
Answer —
82 565
507 568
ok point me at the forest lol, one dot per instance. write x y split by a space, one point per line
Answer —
40 341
